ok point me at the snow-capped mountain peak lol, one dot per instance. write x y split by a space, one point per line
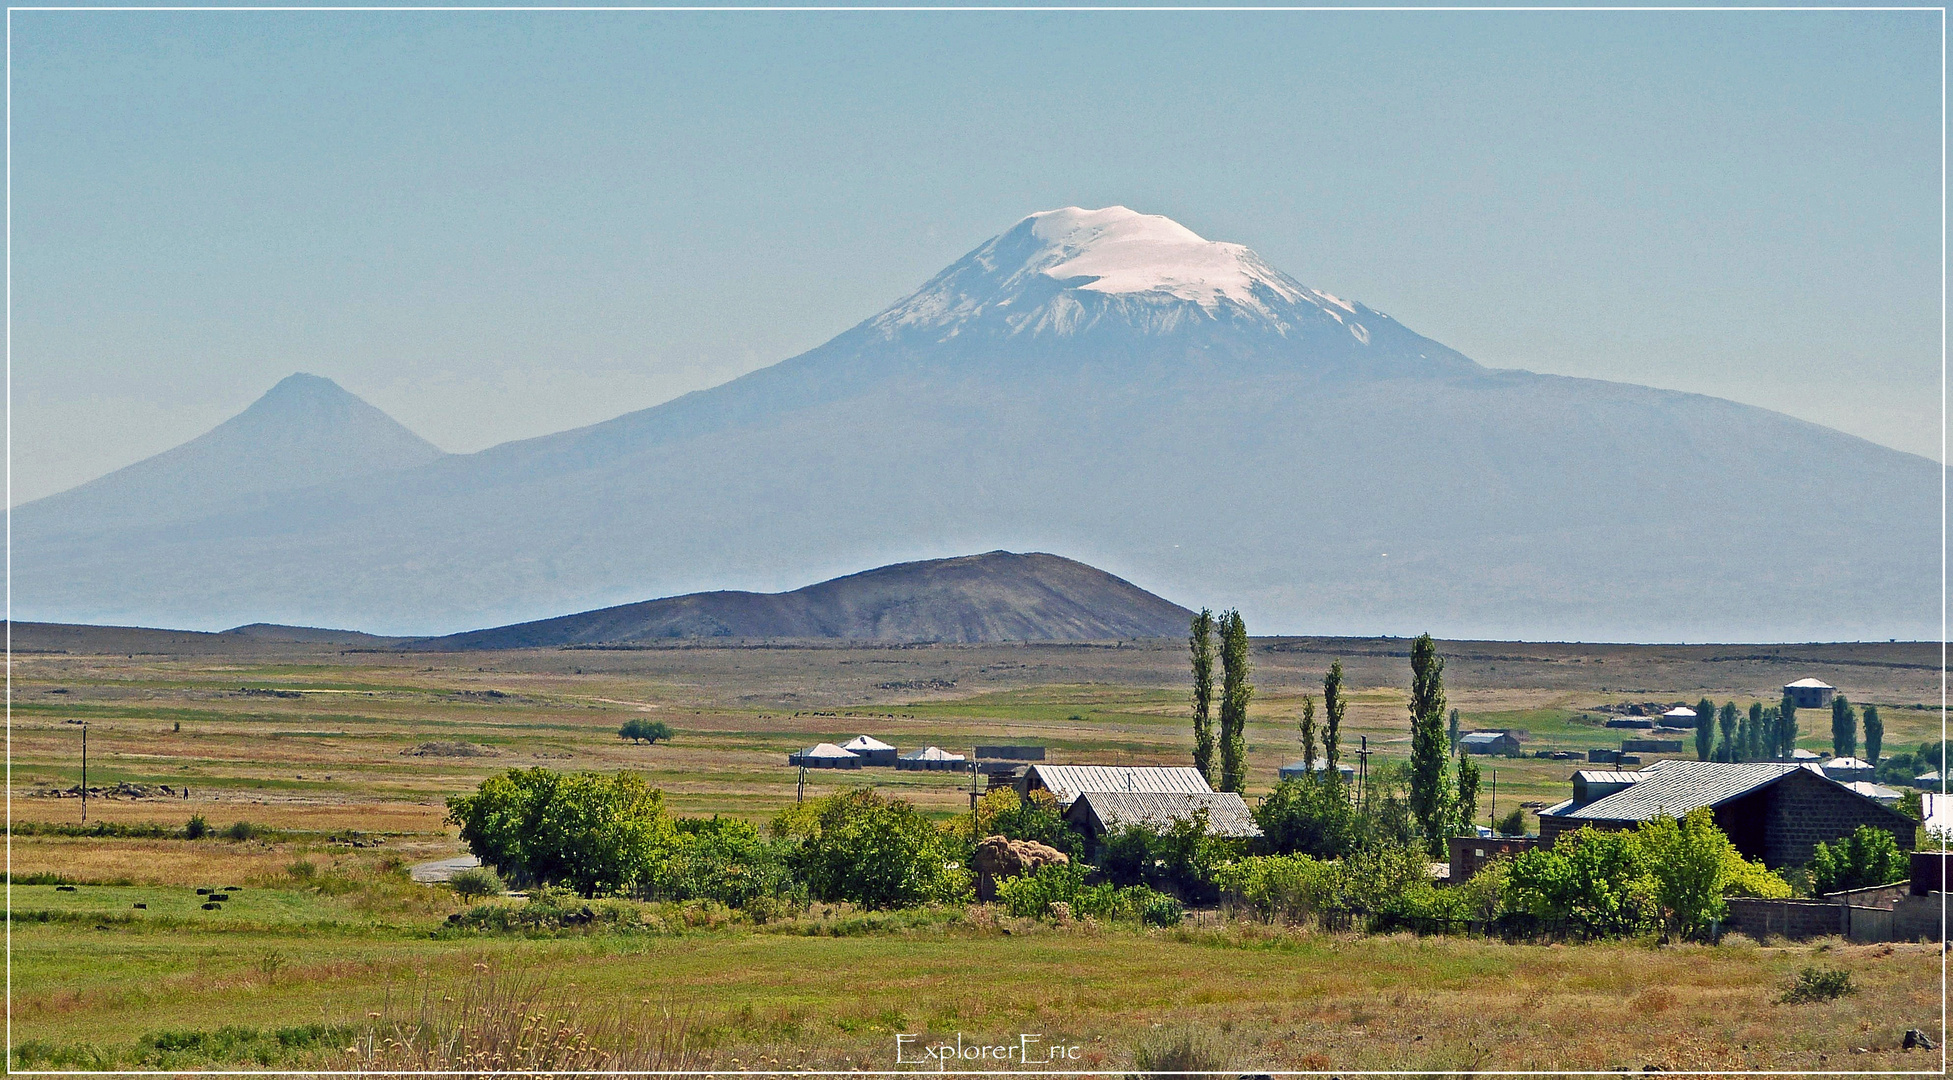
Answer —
1061 271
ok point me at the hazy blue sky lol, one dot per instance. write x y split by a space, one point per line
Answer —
500 225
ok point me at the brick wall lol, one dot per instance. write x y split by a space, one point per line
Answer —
1804 809
1469 853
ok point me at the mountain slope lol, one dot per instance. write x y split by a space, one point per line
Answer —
1111 386
303 432
998 596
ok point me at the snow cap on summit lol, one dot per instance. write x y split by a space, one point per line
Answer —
1064 271
1129 252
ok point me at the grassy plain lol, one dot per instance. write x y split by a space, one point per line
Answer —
320 742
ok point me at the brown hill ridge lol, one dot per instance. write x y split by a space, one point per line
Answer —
996 596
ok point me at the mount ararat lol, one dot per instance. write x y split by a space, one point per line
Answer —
1098 383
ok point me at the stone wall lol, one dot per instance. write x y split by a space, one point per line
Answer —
1784 918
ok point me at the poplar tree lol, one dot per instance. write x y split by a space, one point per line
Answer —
1742 751
1200 642
1430 794
1452 731
1333 708
1235 692
1787 727
1726 720
1705 731
1467 794
1773 733
1309 735
1874 733
1759 736
1844 728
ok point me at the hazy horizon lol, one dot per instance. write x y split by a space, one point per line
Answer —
495 226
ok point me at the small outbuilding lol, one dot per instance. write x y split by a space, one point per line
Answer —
1296 770
1679 717
824 756
1927 780
932 759
1846 769
870 750
1801 755
1501 743
1810 693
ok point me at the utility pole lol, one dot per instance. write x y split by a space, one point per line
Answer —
1495 800
84 774
1363 772
800 792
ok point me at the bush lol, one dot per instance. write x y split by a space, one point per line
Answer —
871 850
591 832
1513 824
1182 858
1866 858
1818 984
721 859
243 830
476 882
197 828
1035 895
1310 816
1289 888
1175 1053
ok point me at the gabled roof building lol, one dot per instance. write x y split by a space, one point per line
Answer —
932 759
1809 693
824 756
870 750
1067 782
1098 813
1776 812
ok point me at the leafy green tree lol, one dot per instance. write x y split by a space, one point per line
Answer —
1003 812
1431 794
869 849
1705 730
1310 817
1593 878
1743 737
1772 724
1333 710
593 833
1787 727
1452 732
1467 813
1844 728
1235 692
1513 824
1183 857
1726 720
1756 737
649 731
1200 643
1874 734
1868 857
1308 726
719 858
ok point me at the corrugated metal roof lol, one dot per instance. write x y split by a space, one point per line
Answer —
931 753
1675 787
1810 684
1227 813
1483 737
1874 792
1067 782
865 742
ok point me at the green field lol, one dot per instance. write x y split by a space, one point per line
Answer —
325 748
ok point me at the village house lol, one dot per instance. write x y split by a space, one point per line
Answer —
824 756
870 750
1098 814
1809 694
1068 782
1775 812
1502 743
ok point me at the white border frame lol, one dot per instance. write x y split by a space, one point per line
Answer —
6 1063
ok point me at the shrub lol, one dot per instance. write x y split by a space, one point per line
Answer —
1868 857
871 850
302 870
197 828
1175 1053
717 858
243 830
1288 888
1310 816
1513 824
591 832
1591 878
1818 984
1182 858
476 882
